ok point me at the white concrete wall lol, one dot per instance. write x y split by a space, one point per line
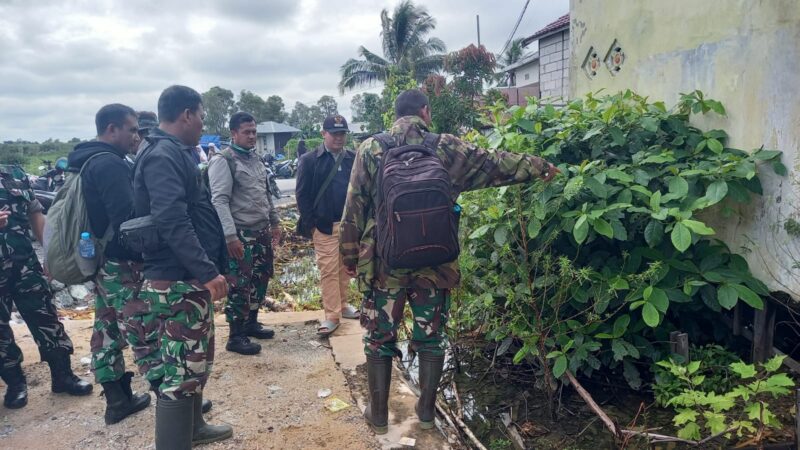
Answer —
554 68
531 70
745 53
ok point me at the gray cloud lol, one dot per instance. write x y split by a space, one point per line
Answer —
65 59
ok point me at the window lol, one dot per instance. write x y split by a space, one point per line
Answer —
527 76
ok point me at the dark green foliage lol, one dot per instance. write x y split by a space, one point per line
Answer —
593 270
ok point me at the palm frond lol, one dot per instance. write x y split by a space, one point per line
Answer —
356 73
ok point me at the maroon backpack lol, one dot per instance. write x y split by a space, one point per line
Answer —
417 222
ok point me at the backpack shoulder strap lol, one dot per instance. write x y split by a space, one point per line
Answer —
227 153
431 140
386 140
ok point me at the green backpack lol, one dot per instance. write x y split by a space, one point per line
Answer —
67 218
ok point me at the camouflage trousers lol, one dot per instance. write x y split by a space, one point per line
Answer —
122 318
186 314
382 314
23 284
248 278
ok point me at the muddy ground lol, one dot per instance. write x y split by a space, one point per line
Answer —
271 400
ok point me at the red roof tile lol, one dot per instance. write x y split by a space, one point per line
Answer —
557 25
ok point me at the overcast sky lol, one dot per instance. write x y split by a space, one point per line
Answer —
63 60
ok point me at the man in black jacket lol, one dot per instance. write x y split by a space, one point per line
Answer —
182 269
107 184
320 211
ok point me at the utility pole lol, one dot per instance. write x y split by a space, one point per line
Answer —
478 20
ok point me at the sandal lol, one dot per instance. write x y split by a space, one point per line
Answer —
349 312
329 326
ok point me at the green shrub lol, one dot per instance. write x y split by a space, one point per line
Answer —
596 268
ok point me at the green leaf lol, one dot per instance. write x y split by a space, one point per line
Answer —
715 146
748 296
534 227
745 371
596 187
501 235
621 325
619 175
619 284
679 187
560 366
617 136
604 228
521 354
650 123
654 233
774 363
779 168
650 315
479 232
681 237
581 230
659 299
655 201
698 227
619 349
716 191
685 416
727 296
690 431
766 155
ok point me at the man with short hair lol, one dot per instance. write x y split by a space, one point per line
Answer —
183 261
322 178
427 289
107 184
22 283
147 121
240 194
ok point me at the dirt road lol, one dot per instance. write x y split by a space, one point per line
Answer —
270 400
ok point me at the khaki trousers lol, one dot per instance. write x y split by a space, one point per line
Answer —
333 279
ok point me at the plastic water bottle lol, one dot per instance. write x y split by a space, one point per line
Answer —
86 246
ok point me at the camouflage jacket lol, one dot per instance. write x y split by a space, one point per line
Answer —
16 193
470 168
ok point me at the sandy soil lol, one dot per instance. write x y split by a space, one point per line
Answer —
270 400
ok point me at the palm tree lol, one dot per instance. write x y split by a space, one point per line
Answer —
512 54
405 49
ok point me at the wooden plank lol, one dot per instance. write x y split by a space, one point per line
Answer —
737 319
763 332
683 346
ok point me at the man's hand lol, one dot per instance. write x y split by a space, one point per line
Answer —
276 237
236 250
218 287
350 271
4 218
550 172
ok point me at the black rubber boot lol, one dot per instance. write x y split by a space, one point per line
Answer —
204 433
174 423
120 400
154 385
17 388
63 378
379 378
430 372
238 341
254 329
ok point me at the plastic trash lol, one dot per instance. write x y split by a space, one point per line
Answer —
86 246
322 393
335 404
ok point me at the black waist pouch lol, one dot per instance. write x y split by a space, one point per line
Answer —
140 235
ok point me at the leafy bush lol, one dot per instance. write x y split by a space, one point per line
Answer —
743 409
595 269
714 366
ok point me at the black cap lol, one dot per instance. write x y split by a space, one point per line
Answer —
335 124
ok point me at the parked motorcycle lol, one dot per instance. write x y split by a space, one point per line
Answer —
268 161
286 168
51 178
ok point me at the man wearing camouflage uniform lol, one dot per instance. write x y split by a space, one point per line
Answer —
120 314
427 289
184 255
22 282
239 192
